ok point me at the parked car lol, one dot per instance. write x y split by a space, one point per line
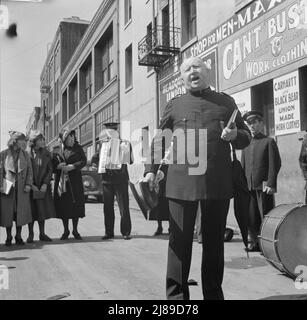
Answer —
92 183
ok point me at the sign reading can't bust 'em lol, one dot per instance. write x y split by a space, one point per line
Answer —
278 39
287 104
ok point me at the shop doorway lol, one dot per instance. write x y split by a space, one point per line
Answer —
263 100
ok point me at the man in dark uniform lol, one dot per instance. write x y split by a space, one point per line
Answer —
115 183
200 108
261 163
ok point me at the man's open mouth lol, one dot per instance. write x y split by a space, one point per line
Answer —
195 78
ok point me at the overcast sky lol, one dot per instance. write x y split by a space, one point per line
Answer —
22 58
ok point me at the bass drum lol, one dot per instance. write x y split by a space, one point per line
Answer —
283 237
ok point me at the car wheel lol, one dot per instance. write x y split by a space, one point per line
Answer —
100 199
85 198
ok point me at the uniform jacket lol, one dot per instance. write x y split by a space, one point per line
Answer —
201 110
42 209
303 157
22 177
261 162
71 204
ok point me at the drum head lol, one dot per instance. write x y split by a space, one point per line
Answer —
292 240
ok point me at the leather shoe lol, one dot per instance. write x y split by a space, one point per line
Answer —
107 237
19 241
158 232
253 248
77 235
65 236
44 238
127 238
8 241
30 238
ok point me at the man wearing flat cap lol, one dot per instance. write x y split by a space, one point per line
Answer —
115 179
261 163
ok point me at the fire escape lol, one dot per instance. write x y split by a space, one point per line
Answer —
158 46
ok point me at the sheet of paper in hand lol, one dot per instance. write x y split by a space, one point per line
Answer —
7 186
231 122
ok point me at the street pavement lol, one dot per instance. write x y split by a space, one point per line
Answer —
125 270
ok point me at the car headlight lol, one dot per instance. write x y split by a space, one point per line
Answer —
86 183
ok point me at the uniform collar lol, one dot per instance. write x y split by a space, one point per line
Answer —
200 93
259 135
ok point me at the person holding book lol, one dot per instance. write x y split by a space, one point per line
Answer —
261 163
201 111
41 198
16 184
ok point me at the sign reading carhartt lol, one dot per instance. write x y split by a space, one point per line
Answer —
276 41
287 104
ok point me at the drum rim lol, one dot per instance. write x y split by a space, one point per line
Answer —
285 269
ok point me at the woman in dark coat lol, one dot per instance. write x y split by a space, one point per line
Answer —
41 198
68 188
16 171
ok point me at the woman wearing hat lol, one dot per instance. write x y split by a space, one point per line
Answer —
68 187
41 198
15 187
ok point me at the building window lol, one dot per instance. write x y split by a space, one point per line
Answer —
56 92
73 97
104 116
128 11
189 19
107 61
104 59
51 72
88 83
51 102
57 58
128 64
64 107
56 125
86 131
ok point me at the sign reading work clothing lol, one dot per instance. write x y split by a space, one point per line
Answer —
287 104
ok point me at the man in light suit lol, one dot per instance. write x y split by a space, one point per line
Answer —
261 163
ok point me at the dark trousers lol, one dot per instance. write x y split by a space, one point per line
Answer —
260 204
122 196
213 224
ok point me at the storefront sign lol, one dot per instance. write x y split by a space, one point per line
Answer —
278 40
172 86
240 4
287 104
238 21
243 100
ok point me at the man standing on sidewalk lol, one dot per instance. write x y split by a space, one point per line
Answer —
115 179
261 163
199 110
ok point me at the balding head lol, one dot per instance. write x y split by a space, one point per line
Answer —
194 73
